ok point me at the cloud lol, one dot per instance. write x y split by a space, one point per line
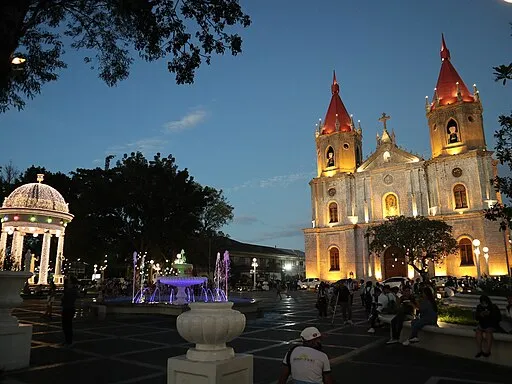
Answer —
274 181
149 145
245 220
280 234
190 120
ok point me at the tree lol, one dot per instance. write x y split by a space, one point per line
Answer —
503 184
187 32
422 240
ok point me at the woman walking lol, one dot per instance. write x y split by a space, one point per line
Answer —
488 316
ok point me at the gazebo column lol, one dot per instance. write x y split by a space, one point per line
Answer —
58 278
45 259
17 248
3 247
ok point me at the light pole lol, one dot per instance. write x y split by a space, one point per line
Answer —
476 245
254 265
486 256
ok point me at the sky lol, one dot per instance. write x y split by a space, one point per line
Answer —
246 125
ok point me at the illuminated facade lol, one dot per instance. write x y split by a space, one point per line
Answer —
350 194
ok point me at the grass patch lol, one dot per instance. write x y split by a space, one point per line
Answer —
456 315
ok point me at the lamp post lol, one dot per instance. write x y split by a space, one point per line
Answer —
254 265
486 256
476 246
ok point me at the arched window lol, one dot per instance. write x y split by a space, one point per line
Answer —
333 213
330 157
452 130
466 252
334 259
459 194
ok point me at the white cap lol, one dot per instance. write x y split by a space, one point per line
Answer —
310 333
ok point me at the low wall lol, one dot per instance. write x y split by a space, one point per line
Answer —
457 340
471 301
250 310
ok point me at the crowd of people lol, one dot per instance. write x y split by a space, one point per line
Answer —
411 301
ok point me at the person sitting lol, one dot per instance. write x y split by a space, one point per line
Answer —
406 309
488 316
307 363
506 323
427 315
386 304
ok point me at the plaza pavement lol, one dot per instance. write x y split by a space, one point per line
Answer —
135 348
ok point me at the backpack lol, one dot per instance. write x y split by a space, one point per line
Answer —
392 307
368 298
289 355
344 294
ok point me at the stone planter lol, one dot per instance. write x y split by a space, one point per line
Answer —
11 284
210 326
15 338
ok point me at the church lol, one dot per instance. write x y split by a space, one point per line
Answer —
350 194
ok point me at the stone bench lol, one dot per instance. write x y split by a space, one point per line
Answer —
457 340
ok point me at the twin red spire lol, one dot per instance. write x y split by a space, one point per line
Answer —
450 87
337 117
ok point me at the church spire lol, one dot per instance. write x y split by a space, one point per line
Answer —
445 52
450 87
337 118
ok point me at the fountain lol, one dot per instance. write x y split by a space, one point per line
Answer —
183 281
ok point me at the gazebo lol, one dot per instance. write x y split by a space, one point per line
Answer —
35 209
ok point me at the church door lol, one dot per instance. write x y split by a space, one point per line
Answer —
394 263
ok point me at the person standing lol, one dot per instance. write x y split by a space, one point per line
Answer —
307 363
49 300
321 302
68 308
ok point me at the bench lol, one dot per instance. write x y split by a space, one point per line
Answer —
457 340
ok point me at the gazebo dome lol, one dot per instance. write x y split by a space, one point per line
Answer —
36 196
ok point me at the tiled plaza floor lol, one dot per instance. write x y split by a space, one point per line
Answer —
135 349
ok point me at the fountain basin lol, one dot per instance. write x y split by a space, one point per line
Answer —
182 283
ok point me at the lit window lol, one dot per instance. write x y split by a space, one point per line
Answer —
333 213
334 259
459 193
466 252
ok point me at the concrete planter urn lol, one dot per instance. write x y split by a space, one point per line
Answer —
210 326
15 338
11 284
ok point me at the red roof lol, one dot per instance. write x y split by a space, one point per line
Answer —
446 89
337 114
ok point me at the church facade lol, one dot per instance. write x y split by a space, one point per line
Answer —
348 194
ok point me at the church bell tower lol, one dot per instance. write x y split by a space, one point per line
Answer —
454 115
338 141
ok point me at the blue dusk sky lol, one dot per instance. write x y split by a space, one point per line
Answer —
247 123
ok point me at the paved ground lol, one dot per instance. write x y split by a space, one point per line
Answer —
135 349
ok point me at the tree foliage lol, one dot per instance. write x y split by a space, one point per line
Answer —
503 212
109 33
137 205
422 240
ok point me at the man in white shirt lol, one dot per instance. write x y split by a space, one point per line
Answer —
306 363
383 305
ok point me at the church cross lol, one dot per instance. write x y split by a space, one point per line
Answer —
383 119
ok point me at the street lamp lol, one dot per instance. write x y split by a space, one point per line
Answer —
476 245
486 256
254 265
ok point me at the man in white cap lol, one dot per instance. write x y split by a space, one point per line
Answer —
306 363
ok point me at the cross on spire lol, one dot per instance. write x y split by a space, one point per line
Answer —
383 119
40 177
